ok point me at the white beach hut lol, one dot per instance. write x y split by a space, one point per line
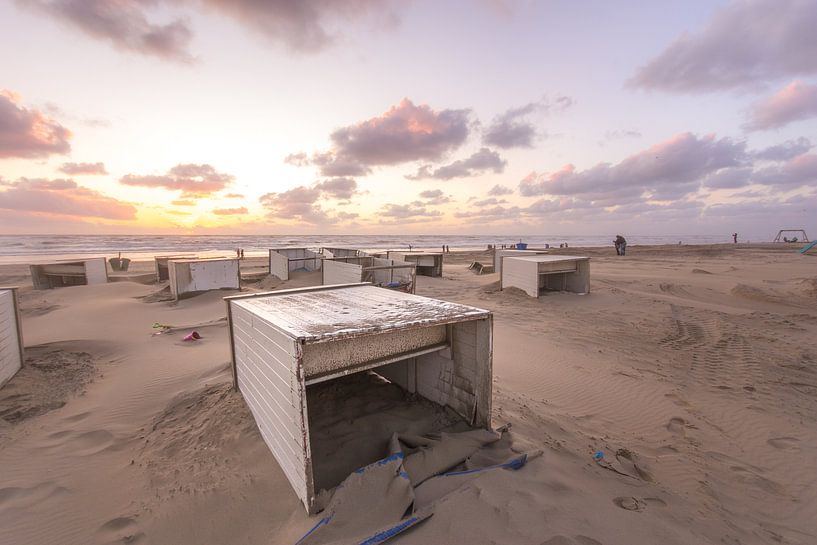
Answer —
284 343
385 273
500 253
196 275
537 274
283 261
428 263
69 273
11 335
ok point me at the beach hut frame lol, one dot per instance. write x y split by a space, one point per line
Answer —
538 274
190 276
428 263
283 261
162 268
283 342
74 272
11 334
374 270
329 253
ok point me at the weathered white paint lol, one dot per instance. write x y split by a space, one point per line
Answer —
160 263
69 273
500 253
378 271
11 337
283 341
189 276
283 261
532 274
340 252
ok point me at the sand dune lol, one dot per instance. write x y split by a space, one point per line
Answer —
693 370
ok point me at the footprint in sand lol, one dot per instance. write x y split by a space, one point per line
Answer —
629 503
575 540
677 426
784 443
121 530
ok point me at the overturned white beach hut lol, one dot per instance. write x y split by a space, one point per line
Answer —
386 273
195 275
328 252
428 263
285 343
11 335
59 274
537 274
500 253
162 270
283 261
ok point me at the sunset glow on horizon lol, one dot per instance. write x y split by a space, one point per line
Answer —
358 116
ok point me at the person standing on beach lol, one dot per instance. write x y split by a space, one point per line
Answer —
621 245
734 238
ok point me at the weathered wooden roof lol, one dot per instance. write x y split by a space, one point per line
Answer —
315 315
547 258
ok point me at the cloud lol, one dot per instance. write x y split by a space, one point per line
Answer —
87 169
194 181
124 24
728 178
414 212
785 151
744 44
233 196
28 133
481 161
63 197
230 211
620 134
329 163
338 188
302 203
183 202
795 102
403 133
490 201
305 26
668 170
435 197
499 190
512 130
797 172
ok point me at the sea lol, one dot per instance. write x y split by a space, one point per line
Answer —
34 248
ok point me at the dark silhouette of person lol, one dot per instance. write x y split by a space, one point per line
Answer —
621 245
734 238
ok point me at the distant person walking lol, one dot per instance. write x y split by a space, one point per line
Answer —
734 238
621 245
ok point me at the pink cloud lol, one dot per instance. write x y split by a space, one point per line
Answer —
63 198
403 133
746 43
74 169
230 211
192 180
28 133
794 102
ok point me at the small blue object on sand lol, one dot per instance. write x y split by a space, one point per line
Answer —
598 456
809 247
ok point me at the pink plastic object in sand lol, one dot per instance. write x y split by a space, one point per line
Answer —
194 336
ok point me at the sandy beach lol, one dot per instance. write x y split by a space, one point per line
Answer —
692 368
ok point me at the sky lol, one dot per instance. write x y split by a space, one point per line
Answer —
420 117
